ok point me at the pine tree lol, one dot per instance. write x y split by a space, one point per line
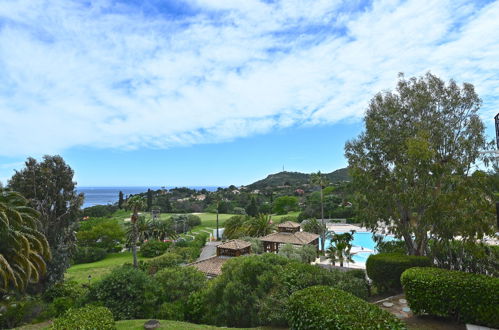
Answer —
149 200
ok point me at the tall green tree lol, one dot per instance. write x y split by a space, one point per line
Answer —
49 187
149 200
321 181
120 200
412 165
135 204
24 250
252 207
285 204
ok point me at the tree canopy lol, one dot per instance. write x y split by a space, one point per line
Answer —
49 187
412 165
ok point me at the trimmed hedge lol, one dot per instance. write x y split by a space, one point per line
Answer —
86 318
471 298
384 269
323 307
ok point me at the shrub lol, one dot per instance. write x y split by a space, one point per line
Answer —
357 273
64 289
188 253
153 248
384 269
128 292
322 307
87 254
468 257
178 282
239 210
86 318
193 220
470 298
101 233
253 290
288 218
171 311
16 312
391 247
154 265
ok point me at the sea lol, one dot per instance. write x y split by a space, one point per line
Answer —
109 195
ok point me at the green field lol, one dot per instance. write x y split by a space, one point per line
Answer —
80 272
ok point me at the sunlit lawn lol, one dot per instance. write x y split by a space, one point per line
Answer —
100 268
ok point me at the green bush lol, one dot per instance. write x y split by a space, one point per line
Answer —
86 318
153 248
470 298
391 247
99 210
322 307
128 292
171 311
14 312
193 220
152 266
253 290
71 289
87 254
468 257
101 233
178 282
384 269
188 253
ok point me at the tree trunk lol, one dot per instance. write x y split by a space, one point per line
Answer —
323 239
134 240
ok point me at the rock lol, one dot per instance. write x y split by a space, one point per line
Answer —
387 304
151 324
406 309
403 301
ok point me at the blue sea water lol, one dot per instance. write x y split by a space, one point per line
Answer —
109 195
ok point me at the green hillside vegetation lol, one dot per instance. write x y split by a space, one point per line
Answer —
295 179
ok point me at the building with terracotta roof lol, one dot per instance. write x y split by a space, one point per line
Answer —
213 266
288 233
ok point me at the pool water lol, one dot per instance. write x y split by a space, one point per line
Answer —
365 241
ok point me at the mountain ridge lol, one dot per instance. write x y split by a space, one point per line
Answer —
297 178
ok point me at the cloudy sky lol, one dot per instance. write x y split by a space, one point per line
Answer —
215 92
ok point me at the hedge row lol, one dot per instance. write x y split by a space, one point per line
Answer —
384 269
470 298
323 307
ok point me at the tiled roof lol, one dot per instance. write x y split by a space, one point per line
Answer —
289 224
235 244
211 266
298 238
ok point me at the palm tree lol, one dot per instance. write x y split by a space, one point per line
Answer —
260 225
341 250
319 180
135 203
162 229
23 248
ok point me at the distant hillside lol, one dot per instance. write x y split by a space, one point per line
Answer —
297 179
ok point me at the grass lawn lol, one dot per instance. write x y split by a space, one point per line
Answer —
80 272
165 324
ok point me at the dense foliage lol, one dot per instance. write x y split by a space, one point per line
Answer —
99 211
169 259
154 248
384 269
469 257
254 290
323 307
24 250
85 318
50 189
411 167
128 292
102 233
470 298
85 254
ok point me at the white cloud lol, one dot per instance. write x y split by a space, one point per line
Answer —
111 75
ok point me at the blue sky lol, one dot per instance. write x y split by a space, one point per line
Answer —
215 92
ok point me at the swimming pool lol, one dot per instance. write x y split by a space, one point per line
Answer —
363 245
